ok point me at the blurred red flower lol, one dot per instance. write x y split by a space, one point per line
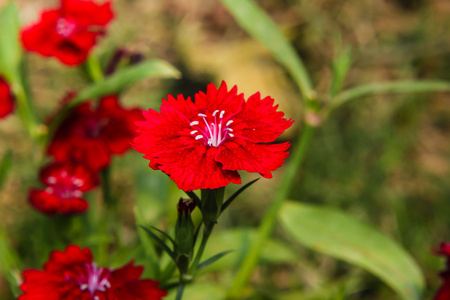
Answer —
444 291
202 144
72 275
92 135
68 32
7 102
65 184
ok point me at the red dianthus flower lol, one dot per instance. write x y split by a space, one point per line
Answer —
68 32
203 144
92 135
444 291
7 102
65 184
72 275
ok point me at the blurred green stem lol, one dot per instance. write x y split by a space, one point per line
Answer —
93 68
25 111
386 87
265 229
206 234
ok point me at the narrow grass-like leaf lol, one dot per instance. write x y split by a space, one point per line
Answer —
388 87
10 50
10 264
165 234
119 81
5 165
160 243
256 22
237 193
342 236
123 78
212 259
147 244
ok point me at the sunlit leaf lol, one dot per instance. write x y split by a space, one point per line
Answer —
256 22
342 236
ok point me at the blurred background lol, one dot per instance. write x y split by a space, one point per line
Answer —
383 159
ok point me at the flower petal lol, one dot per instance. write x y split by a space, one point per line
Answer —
219 99
240 154
195 168
259 121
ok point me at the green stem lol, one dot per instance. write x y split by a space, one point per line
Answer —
206 234
94 69
108 199
26 112
252 257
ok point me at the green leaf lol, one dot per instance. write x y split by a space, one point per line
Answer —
256 22
212 259
5 165
342 236
10 49
117 82
125 77
10 264
340 67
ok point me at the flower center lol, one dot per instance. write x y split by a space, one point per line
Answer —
95 279
214 133
65 187
65 27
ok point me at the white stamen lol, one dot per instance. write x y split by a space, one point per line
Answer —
51 180
77 182
213 133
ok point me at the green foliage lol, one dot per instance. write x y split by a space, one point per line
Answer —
342 236
10 48
262 28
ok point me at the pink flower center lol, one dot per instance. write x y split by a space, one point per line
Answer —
65 27
94 280
214 133
65 187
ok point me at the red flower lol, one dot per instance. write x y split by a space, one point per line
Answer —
92 136
72 275
7 102
65 184
202 144
68 32
444 291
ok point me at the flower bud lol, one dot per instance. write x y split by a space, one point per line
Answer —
184 234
